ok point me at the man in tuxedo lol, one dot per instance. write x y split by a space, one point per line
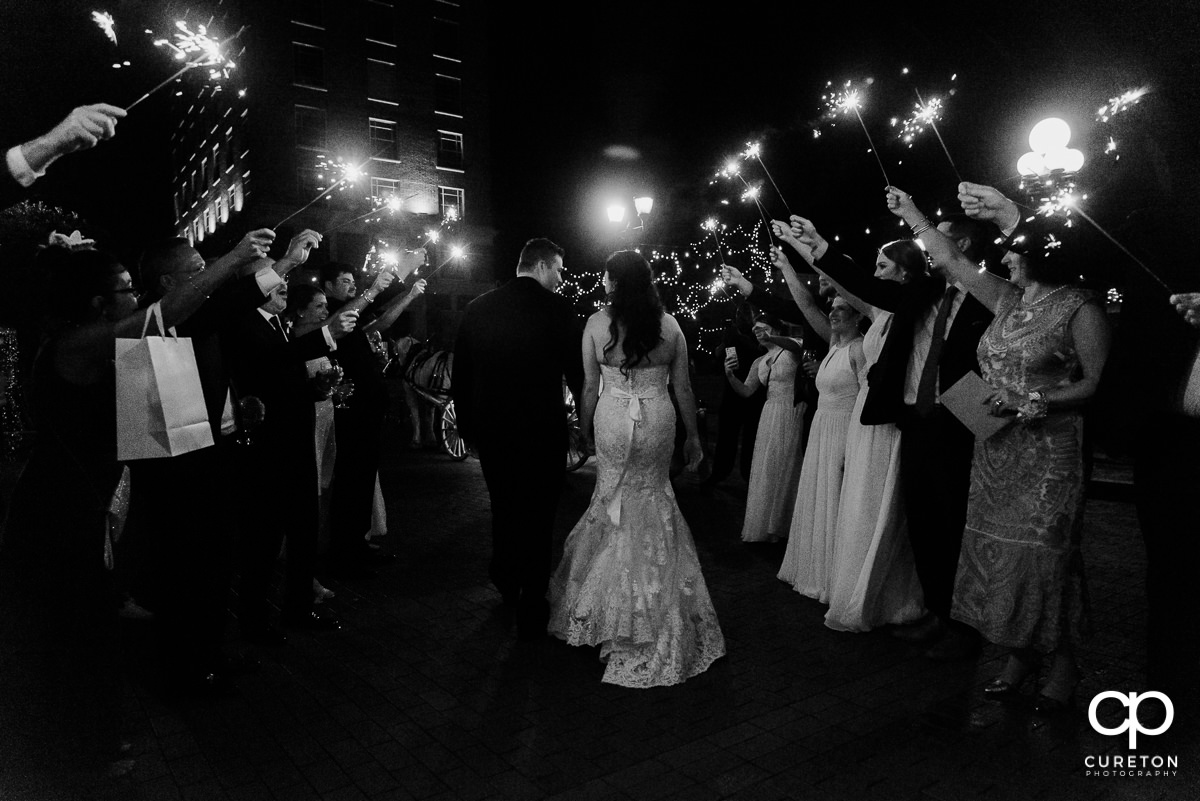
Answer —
358 426
515 346
175 513
931 345
278 469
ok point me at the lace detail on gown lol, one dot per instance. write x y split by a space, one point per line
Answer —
629 580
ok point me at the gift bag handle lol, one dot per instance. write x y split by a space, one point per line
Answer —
155 310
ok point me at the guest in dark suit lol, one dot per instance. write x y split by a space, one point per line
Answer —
83 128
187 537
515 345
277 493
358 424
931 345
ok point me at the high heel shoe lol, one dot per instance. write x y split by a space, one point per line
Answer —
1003 689
1048 705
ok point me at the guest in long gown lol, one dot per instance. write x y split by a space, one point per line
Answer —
874 580
775 469
808 563
1020 578
629 580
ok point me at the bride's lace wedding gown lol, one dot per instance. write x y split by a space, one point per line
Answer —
629 580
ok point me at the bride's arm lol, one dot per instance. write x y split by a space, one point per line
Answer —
692 449
591 381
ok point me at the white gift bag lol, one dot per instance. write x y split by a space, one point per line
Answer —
160 403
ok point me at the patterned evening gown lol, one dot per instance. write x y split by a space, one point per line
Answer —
1020 576
778 448
808 561
874 581
629 580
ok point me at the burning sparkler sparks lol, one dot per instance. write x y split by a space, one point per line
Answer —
1121 103
345 172
924 115
205 51
847 100
754 151
106 23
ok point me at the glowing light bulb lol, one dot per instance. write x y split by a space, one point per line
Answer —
1050 134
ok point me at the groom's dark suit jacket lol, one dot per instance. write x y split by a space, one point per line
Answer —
515 345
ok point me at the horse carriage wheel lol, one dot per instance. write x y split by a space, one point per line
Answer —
577 454
448 430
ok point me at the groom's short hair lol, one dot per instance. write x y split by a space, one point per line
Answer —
537 250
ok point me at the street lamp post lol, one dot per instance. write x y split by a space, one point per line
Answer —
642 207
1048 169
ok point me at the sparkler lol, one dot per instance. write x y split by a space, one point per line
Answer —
851 100
106 23
456 252
1153 275
349 174
1121 103
754 151
206 52
711 225
390 204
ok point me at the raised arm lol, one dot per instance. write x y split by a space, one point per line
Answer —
298 250
801 294
692 449
783 232
392 310
842 270
988 289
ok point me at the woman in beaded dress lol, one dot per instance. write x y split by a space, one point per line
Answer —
1020 578
629 580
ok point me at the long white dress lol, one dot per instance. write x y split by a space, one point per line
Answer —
874 580
629 580
808 561
775 469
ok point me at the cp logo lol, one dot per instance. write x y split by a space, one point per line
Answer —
1132 723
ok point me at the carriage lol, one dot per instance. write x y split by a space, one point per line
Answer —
426 374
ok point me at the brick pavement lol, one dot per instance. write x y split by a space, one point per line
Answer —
426 694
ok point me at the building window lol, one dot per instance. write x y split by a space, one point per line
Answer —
310 127
450 202
308 12
380 20
222 209
309 184
383 138
383 187
448 94
445 39
310 65
381 80
450 149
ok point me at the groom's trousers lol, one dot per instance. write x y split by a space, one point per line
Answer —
524 482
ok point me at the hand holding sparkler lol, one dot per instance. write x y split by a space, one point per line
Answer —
901 204
83 128
783 232
732 275
382 282
805 233
982 202
298 250
1188 305
254 245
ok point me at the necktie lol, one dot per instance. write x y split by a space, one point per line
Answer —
927 387
278 326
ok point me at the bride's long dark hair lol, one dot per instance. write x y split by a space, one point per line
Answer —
634 305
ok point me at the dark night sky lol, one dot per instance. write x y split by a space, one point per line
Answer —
687 86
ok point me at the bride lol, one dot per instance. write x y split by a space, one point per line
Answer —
629 580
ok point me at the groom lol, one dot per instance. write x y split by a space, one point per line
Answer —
515 345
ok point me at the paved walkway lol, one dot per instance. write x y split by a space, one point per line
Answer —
427 695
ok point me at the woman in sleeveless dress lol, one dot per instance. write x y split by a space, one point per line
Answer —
775 468
874 580
1020 578
629 580
808 561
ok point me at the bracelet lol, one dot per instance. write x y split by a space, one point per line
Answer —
921 228
1035 407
